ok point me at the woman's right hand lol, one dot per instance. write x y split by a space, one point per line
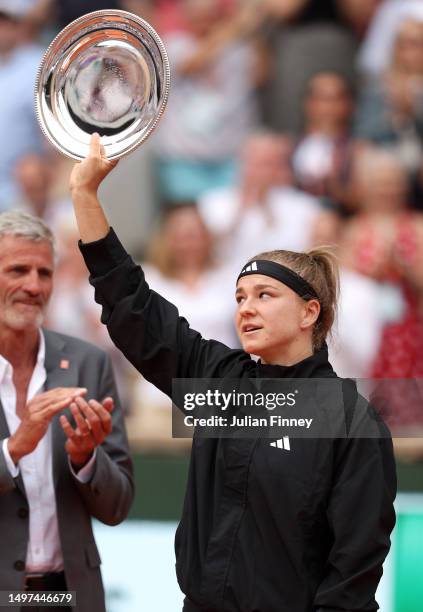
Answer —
87 175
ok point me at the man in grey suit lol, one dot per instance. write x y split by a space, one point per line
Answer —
64 453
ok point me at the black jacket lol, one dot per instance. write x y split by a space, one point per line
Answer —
261 531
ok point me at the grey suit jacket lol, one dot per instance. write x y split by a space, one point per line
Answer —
106 497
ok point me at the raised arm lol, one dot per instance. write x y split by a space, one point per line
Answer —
143 325
85 180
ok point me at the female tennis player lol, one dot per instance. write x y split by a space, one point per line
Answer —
298 526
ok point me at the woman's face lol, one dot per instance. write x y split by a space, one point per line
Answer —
266 163
383 189
408 50
187 238
328 102
271 318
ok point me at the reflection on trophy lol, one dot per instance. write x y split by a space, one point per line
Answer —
106 72
106 90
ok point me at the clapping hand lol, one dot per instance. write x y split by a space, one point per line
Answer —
93 424
37 417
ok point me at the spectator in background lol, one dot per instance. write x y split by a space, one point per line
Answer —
19 60
305 37
212 106
322 155
380 188
376 49
264 208
181 266
353 347
385 242
35 176
390 110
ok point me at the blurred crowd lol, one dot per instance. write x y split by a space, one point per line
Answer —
290 124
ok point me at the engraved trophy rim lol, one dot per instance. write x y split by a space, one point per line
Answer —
58 47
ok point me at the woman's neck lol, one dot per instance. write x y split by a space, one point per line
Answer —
290 355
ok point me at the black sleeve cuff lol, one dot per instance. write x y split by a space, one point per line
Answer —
103 255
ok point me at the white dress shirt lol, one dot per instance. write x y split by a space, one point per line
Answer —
44 550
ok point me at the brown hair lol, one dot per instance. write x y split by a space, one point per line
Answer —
319 267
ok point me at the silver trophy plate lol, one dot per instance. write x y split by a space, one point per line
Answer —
106 72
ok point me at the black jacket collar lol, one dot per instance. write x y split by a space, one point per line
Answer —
315 366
